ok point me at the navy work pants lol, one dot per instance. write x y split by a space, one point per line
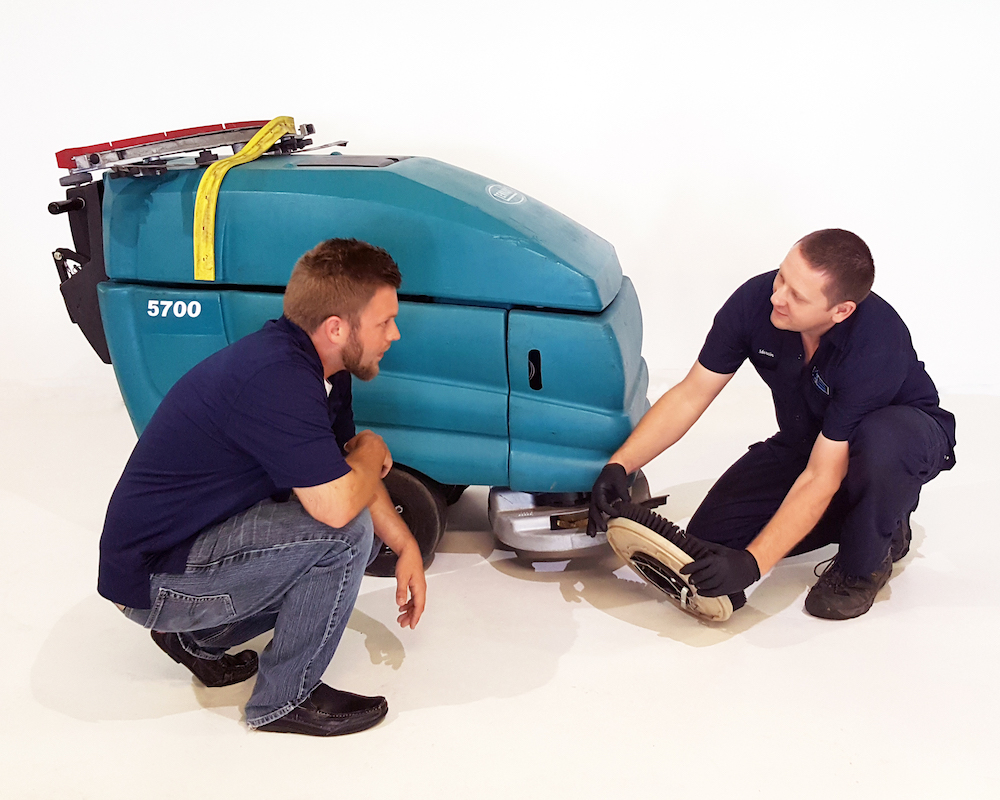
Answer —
893 453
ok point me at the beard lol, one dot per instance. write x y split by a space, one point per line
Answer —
352 354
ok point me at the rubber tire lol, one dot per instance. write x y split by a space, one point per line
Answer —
452 492
421 503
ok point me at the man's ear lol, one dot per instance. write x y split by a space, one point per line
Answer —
843 310
335 330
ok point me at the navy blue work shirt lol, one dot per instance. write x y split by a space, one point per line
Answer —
250 422
862 364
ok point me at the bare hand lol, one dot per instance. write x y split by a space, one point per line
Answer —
411 586
369 438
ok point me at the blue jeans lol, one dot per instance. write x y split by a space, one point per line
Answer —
270 567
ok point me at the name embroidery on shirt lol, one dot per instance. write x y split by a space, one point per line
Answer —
819 383
764 352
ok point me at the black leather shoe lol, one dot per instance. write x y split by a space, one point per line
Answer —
220 672
330 712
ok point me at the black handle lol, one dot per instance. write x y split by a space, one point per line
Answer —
63 206
535 369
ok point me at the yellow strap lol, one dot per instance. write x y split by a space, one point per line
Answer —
208 192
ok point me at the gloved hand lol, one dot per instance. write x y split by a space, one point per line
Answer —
723 571
611 487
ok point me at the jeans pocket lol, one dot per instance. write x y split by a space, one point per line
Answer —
174 611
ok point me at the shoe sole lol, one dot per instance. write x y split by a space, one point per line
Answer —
362 721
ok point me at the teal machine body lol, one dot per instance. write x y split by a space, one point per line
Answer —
519 365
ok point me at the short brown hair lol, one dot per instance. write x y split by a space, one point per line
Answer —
846 261
337 278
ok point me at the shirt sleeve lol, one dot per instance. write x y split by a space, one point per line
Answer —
727 345
280 418
870 377
340 409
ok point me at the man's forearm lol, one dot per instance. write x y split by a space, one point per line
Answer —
670 418
662 426
389 526
338 502
804 504
798 514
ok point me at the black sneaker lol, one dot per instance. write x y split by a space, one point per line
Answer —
837 595
900 540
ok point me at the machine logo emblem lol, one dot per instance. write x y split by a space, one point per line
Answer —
505 194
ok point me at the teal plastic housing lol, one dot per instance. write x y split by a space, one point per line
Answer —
451 237
520 358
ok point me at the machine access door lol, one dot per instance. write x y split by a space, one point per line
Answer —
577 389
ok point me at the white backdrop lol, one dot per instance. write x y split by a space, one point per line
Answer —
701 139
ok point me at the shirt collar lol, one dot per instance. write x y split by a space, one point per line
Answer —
301 339
837 335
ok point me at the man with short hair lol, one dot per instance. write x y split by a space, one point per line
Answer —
249 503
860 430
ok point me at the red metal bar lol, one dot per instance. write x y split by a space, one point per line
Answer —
183 133
230 126
64 158
118 144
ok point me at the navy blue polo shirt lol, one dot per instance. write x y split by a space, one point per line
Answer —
862 364
250 422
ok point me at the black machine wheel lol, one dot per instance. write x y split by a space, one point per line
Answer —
421 502
452 492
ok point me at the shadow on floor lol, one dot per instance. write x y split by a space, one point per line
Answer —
605 583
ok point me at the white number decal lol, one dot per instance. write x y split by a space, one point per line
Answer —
160 308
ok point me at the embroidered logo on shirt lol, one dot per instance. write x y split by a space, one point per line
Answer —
819 383
764 352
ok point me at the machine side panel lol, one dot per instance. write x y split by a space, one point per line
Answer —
578 388
148 227
440 399
152 345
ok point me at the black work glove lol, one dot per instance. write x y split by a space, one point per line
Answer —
610 488
722 571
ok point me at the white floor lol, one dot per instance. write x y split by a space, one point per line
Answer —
519 682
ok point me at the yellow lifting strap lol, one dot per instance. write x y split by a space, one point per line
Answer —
208 192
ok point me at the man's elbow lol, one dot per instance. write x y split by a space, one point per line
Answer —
825 483
335 505
831 485
336 518
340 512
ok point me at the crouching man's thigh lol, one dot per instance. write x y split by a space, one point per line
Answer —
245 566
897 443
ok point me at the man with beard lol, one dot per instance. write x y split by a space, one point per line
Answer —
860 430
249 503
